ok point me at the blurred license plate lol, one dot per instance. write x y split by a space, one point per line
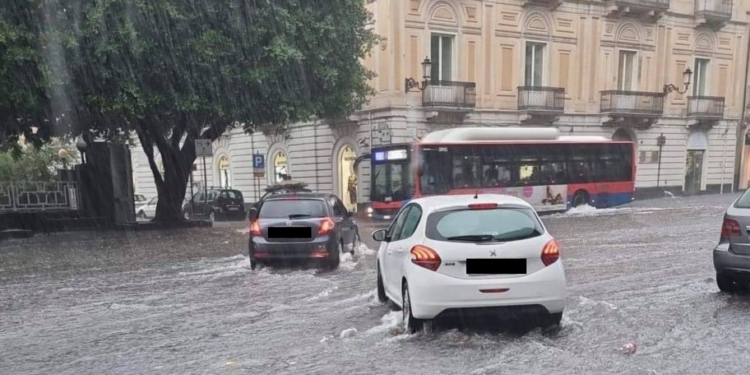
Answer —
289 232
233 208
496 266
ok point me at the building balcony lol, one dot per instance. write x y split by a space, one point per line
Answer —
705 111
714 13
637 108
450 95
647 10
541 105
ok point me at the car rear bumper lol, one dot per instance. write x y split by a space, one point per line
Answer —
261 249
433 293
725 261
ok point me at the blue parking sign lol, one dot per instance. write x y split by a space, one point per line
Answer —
259 162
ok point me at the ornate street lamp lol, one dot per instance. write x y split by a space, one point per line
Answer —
686 80
81 145
411 83
63 155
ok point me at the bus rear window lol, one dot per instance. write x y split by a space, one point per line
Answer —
502 224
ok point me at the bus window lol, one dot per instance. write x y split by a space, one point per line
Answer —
613 163
527 165
552 166
496 166
580 164
467 167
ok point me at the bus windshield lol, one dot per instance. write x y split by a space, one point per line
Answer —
506 165
390 182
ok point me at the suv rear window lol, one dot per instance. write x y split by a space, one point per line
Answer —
231 194
744 201
502 224
283 209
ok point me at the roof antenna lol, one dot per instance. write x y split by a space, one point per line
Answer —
476 195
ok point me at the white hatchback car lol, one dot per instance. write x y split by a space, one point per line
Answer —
462 255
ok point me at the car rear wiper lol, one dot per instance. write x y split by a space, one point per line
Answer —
473 238
298 216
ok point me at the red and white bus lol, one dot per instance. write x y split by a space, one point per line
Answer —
550 171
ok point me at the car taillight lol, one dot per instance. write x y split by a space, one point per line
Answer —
550 253
425 257
730 228
255 228
326 226
483 206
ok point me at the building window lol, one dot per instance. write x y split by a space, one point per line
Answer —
441 57
625 81
225 172
534 64
701 71
281 167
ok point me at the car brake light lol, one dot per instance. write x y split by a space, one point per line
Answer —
326 226
550 253
483 206
730 228
425 257
255 228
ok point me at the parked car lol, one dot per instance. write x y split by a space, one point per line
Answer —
731 255
147 209
470 255
215 204
302 226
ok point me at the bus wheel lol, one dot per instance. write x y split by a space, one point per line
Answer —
580 198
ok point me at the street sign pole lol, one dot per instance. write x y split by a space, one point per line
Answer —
203 148
192 202
205 190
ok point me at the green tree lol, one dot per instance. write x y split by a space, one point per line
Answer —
37 164
173 71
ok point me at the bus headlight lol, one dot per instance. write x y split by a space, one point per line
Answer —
369 210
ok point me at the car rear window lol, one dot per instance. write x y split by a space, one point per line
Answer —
232 194
284 209
502 224
744 201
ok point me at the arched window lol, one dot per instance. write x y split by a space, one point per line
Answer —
225 172
281 167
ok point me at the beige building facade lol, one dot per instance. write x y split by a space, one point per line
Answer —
586 67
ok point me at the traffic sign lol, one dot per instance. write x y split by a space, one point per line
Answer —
203 148
259 161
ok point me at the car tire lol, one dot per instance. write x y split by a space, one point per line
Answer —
580 198
186 215
552 320
382 297
254 264
411 324
726 284
334 259
356 242
142 214
212 217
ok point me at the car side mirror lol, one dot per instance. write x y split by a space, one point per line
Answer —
380 235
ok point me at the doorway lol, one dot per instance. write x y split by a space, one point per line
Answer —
696 150
347 177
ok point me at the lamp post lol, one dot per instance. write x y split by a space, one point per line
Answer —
411 83
660 141
686 80
63 155
81 145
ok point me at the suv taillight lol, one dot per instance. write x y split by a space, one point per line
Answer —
255 228
730 228
425 257
326 226
550 253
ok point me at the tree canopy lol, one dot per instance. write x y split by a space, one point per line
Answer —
172 71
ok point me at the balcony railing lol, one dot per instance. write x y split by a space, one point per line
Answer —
643 4
541 99
450 94
706 107
38 196
632 103
714 9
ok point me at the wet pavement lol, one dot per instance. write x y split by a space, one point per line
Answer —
186 302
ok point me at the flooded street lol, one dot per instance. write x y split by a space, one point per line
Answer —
186 302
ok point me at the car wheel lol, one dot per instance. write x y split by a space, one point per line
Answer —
334 259
412 324
580 198
356 242
552 320
253 264
382 298
186 215
212 217
726 284
142 214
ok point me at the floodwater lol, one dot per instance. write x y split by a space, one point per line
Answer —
186 302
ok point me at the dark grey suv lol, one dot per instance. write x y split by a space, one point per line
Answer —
302 226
